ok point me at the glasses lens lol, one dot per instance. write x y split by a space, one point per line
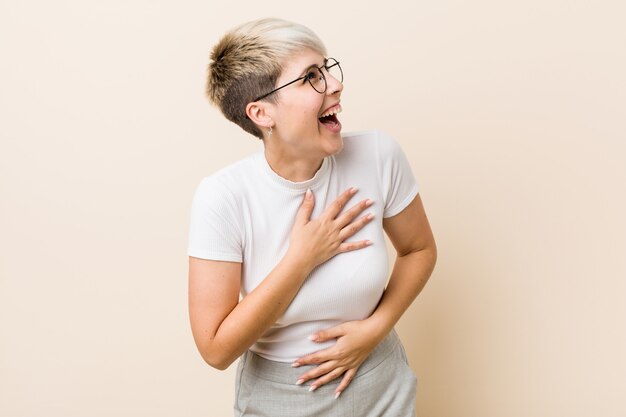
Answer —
333 68
316 79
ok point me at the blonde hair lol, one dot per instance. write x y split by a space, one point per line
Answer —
248 60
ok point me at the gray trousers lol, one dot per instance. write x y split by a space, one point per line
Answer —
384 386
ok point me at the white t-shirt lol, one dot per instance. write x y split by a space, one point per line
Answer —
245 211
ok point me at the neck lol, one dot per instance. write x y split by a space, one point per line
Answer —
296 168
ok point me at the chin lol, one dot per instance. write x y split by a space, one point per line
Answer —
337 144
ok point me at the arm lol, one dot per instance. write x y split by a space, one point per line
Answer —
411 236
224 328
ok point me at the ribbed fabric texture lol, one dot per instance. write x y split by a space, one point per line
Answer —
245 212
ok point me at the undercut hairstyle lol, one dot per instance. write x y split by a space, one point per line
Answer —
247 62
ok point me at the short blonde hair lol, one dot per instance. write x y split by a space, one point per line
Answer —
247 62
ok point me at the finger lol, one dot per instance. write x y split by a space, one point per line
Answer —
354 211
327 334
336 206
345 381
355 226
330 376
349 246
306 208
316 372
315 358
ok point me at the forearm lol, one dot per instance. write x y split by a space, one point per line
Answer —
409 276
256 312
356 339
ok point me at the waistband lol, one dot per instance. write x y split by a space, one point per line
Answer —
282 372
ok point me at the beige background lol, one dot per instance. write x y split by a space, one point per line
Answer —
511 113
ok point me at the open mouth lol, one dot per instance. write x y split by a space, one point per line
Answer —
329 119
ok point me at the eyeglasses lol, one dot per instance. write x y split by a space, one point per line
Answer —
315 76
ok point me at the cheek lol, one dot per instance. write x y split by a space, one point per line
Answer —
305 114
311 110
304 110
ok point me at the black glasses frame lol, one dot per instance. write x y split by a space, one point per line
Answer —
325 66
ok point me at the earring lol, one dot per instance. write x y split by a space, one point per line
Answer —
270 131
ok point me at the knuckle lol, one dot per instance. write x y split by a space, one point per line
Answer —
312 374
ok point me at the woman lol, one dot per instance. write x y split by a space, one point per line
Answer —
281 229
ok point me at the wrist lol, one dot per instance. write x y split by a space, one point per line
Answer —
378 327
298 262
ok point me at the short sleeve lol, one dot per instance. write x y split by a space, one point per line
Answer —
398 183
214 230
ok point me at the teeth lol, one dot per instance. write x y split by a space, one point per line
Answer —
332 111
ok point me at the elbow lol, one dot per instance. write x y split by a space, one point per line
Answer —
218 361
429 250
215 353
219 365
433 252
432 255
427 255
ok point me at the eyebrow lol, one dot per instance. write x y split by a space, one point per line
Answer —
314 66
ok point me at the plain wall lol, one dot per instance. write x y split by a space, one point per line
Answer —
511 113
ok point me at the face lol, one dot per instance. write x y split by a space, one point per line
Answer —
296 117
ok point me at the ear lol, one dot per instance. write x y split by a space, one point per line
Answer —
260 113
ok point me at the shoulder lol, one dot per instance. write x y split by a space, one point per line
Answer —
226 181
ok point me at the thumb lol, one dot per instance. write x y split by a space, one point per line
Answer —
306 208
325 335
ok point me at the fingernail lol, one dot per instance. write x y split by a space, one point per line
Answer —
368 242
295 365
313 388
337 394
308 193
368 202
353 190
312 337
369 216
299 382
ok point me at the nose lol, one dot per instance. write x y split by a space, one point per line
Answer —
333 85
